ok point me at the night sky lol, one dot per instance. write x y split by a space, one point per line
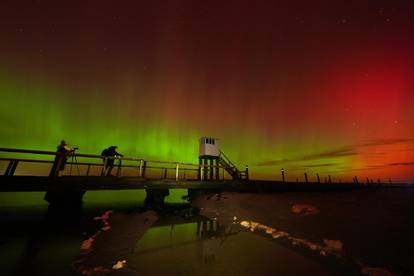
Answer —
315 86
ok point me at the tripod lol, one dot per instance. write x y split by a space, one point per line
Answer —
74 161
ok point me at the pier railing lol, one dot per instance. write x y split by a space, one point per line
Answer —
78 164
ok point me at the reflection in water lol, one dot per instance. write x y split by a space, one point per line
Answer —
205 235
202 246
48 241
173 245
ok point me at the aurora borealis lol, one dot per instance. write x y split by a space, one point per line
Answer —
310 86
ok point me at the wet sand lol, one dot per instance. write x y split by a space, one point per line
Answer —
297 233
374 226
336 233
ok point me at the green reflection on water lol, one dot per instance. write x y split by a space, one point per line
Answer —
9 199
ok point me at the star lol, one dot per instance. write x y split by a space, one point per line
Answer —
342 21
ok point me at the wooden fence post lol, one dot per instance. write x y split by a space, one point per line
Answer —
176 172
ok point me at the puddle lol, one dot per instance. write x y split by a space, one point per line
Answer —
202 246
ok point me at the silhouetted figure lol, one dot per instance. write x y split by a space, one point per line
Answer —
63 151
109 162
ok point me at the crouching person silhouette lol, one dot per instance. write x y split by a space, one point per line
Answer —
109 162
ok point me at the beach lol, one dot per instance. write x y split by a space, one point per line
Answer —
362 232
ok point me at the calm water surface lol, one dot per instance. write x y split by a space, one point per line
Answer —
36 240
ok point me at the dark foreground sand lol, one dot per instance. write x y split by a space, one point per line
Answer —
372 227
336 233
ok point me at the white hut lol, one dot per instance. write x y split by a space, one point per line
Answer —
209 147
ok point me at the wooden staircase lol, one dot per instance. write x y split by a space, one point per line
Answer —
235 173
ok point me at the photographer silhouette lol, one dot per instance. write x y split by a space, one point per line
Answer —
62 153
109 162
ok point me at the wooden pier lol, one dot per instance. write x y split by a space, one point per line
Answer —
84 173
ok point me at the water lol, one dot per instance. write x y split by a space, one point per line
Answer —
36 240
375 226
184 249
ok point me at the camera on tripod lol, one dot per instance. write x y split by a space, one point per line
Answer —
74 161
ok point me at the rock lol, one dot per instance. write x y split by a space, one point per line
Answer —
245 223
106 228
304 209
335 245
87 244
105 216
119 264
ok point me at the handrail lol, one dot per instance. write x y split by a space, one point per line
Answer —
28 151
86 164
143 164
107 157
228 160
26 160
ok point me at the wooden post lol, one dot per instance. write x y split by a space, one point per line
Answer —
11 168
306 177
247 172
283 175
205 169
201 171
199 168
176 172
367 180
88 169
140 167
165 173
144 168
317 176
211 169
356 180
217 169
329 179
